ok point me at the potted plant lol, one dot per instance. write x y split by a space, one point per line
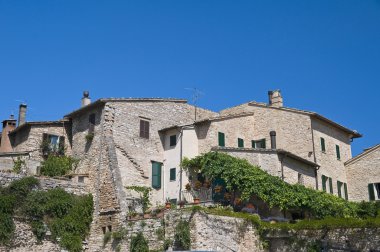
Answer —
168 204
188 187
197 185
197 200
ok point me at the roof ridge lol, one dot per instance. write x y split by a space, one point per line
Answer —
363 154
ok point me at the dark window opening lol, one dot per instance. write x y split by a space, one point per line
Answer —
104 230
337 152
173 140
259 144
80 179
323 145
173 174
109 228
221 139
240 143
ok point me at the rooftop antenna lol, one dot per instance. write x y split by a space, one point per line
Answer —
194 98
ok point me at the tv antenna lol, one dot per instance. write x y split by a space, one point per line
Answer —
194 98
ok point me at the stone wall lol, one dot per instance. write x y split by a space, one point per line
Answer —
361 172
47 183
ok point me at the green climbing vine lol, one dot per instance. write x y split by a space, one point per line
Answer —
144 195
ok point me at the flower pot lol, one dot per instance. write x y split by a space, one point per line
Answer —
168 205
197 201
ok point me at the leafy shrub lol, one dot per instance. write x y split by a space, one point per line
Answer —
58 165
182 235
72 243
241 176
6 228
18 164
138 243
38 229
21 188
7 203
119 235
106 238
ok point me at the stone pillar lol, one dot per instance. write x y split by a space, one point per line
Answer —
86 99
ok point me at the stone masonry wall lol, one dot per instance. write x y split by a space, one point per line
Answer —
47 183
360 173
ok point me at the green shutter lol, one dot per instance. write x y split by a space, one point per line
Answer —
253 144
331 186
345 191
323 146
240 143
156 175
324 179
264 143
337 152
339 185
221 139
172 174
371 192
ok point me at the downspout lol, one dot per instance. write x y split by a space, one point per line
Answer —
315 158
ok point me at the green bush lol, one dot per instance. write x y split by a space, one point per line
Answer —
139 244
72 243
7 228
182 235
58 165
21 188
247 179
38 229
18 164
7 203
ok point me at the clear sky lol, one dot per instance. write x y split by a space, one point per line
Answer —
324 55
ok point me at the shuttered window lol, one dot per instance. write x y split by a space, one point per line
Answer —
259 144
323 145
172 174
345 191
156 175
371 192
324 180
221 139
331 186
337 152
144 129
240 143
339 186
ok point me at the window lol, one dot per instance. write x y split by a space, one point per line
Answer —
91 122
144 129
259 144
339 186
173 174
80 179
52 144
374 191
173 140
240 143
337 152
324 180
331 186
345 191
221 139
323 146
156 175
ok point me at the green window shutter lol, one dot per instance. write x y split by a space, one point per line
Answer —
323 146
172 174
173 140
345 191
156 175
324 179
331 186
264 143
240 143
221 139
337 152
371 192
253 144
339 185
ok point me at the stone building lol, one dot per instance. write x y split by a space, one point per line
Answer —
124 142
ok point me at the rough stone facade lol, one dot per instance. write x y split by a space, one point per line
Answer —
362 171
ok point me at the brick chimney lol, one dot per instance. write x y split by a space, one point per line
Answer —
86 98
275 98
21 114
8 126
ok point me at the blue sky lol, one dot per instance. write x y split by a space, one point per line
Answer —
323 55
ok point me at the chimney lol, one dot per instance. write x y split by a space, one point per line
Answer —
275 98
86 99
21 114
8 126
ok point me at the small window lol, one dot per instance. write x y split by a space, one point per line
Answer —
331 186
324 180
345 191
109 228
104 230
374 191
173 201
156 175
323 145
52 144
339 186
337 152
80 179
221 139
173 140
240 143
173 174
259 144
144 129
